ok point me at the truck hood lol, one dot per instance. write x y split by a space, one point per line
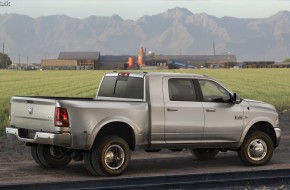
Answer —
260 104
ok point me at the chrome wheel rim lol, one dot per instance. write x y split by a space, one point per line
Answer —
114 157
257 149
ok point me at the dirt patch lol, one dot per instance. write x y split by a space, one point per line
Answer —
13 150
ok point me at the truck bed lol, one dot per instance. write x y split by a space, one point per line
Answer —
35 115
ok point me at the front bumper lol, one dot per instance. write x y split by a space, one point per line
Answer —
278 135
58 139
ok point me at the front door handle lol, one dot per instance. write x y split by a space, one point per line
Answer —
210 110
172 109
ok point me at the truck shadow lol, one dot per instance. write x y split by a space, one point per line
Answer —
182 165
154 165
149 165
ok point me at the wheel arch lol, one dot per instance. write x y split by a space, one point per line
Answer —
262 126
114 128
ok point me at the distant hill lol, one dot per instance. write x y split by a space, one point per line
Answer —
176 31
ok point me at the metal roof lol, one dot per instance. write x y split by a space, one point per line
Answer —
226 57
113 58
78 55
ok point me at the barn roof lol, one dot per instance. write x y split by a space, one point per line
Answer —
78 55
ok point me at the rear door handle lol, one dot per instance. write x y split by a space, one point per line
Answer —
172 109
210 110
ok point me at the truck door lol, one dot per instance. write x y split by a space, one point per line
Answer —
223 119
184 117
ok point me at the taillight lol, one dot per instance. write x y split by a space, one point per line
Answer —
61 117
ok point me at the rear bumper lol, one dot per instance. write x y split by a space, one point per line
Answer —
58 139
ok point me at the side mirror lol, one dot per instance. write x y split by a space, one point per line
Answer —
236 98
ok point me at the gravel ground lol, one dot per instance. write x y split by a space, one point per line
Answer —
274 187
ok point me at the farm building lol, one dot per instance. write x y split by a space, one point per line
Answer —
93 60
73 61
113 62
189 61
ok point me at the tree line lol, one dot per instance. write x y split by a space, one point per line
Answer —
5 61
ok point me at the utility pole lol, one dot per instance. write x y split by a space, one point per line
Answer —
5 60
213 46
3 57
26 64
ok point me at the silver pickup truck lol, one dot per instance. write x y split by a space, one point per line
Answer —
150 111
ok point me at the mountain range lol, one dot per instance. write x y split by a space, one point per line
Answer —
176 31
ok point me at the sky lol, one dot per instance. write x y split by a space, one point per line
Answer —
134 9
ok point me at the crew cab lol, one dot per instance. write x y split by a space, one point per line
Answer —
149 111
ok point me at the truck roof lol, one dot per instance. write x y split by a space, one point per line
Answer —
142 74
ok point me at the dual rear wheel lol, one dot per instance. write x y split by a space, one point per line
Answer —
108 157
50 156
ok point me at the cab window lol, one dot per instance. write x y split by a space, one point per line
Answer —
122 87
213 92
181 89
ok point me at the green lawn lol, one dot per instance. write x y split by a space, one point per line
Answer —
269 85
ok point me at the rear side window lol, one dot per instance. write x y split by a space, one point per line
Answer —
181 90
122 87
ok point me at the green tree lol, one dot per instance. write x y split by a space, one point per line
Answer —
287 60
5 61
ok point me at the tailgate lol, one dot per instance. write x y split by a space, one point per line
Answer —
33 113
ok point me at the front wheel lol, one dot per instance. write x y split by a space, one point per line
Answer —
257 149
204 153
109 157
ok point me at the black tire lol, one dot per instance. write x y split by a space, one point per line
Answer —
53 156
257 149
34 154
88 163
110 157
204 153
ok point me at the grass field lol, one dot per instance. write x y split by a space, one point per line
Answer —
269 85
